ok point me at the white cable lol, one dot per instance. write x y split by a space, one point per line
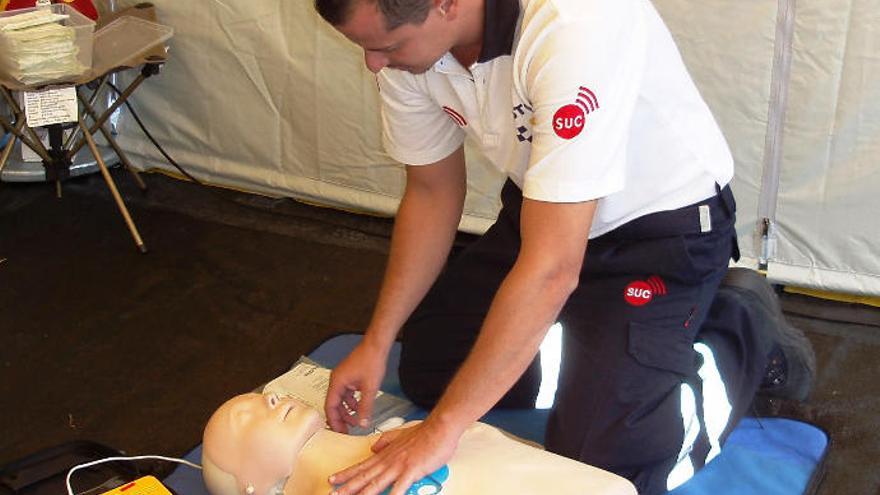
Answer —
133 458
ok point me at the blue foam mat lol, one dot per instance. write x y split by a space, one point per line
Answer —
767 456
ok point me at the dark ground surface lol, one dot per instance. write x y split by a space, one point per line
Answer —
135 351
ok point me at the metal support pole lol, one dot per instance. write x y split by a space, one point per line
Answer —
107 113
113 144
4 158
73 135
34 142
114 79
18 132
87 137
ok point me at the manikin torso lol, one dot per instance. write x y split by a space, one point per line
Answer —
486 462
263 445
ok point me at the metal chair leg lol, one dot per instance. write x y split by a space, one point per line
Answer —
7 151
28 137
113 144
124 159
73 135
112 185
108 112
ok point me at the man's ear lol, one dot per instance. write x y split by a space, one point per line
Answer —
447 8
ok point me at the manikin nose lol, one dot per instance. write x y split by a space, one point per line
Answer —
375 61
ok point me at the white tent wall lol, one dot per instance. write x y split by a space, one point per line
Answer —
728 47
262 96
828 206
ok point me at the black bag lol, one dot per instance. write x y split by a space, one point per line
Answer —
45 472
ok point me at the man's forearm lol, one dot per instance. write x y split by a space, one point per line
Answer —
419 249
526 305
424 231
547 271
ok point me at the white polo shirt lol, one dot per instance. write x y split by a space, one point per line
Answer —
575 100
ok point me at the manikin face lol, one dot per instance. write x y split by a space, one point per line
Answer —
257 438
412 48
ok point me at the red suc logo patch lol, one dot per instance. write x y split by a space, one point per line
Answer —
642 292
638 293
570 120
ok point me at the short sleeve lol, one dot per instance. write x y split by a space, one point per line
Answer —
415 130
582 77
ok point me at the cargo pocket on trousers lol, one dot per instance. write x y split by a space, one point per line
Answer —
662 348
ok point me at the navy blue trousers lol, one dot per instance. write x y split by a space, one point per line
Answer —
629 369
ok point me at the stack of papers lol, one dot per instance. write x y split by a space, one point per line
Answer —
35 48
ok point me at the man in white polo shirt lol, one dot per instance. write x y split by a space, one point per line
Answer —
617 222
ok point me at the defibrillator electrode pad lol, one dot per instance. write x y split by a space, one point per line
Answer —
429 485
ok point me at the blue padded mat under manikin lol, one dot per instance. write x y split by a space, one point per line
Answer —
767 456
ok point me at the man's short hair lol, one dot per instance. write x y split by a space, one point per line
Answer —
396 12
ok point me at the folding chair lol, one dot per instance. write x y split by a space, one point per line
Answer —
58 156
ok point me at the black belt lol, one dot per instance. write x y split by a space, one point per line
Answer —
701 217
704 216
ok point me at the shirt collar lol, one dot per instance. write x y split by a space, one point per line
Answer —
449 65
499 31
499 28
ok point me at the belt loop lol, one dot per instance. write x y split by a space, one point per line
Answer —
705 219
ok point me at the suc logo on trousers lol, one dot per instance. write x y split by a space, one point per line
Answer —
641 292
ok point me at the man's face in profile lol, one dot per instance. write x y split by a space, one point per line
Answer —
410 47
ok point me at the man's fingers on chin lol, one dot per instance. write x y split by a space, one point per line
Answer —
337 414
367 398
350 404
339 421
332 419
332 400
335 390
350 419
364 413
339 427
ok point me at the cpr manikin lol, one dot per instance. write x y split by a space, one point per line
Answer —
264 445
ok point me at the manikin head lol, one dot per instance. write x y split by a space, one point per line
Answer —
252 441
410 35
